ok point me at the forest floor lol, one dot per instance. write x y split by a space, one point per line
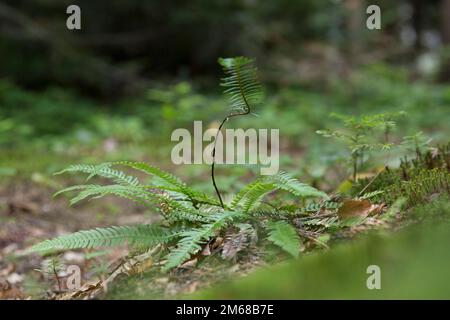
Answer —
394 239
30 212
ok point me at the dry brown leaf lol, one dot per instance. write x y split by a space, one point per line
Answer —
358 208
7 291
354 208
189 264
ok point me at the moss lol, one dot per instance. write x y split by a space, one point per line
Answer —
414 265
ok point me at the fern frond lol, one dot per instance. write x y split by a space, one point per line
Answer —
243 89
192 239
255 194
285 236
184 215
285 181
136 194
249 197
103 170
173 210
142 235
315 207
164 175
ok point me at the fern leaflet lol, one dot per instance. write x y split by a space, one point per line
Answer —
284 235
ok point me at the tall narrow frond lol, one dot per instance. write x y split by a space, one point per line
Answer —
242 87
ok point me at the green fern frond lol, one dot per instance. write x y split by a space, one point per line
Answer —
192 239
315 207
249 197
141 235
284 235
255 194
155 171
134 193
243 89
172 209
103 170
185 215
372 194
241 194
285 181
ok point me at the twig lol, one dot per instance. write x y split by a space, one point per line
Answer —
371 181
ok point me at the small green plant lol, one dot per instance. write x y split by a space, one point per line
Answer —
361 135
416 143
190 219
417 180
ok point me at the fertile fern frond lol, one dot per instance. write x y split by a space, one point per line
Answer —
140 235
192 239
243 89
284 235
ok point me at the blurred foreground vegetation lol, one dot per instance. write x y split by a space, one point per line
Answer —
414 264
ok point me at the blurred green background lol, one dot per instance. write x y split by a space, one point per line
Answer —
138 69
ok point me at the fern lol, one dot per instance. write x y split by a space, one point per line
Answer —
242 87
249 197
155 171
191 240
171 209
284 181
148 235
103 170
201 216
284 235
254 195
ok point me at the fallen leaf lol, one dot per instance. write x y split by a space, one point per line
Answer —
189 264
7 291
359 208
354 208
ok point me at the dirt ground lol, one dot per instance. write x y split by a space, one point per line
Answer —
29 213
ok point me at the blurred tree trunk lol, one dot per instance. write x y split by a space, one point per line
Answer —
417 21
445 12
356 14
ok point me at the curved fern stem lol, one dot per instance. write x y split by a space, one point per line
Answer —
242 87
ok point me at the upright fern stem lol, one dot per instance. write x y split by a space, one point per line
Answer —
243 89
